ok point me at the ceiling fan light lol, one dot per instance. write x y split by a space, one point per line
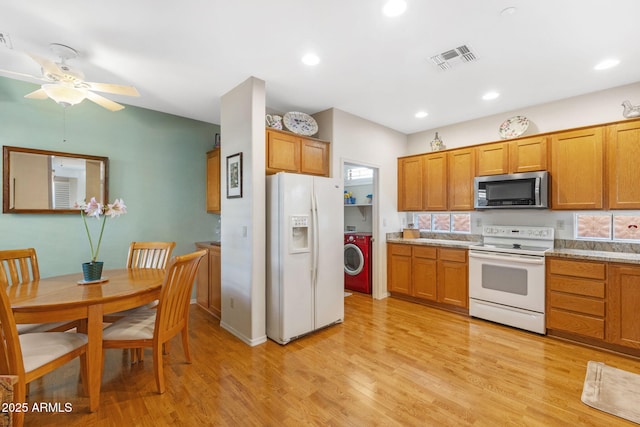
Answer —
64 95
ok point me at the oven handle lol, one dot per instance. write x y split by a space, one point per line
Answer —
516 258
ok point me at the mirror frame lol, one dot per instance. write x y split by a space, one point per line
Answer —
6 168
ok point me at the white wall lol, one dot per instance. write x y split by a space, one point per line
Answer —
598 107
356 140
243 219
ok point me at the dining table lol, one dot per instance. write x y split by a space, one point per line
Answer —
69 297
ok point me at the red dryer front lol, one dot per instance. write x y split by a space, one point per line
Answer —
357 262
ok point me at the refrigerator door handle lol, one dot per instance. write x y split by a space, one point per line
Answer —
316 239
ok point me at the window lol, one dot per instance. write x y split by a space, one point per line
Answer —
607 226
443 222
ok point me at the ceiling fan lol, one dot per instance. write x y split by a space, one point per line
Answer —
67 86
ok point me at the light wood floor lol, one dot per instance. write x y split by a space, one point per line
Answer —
390 363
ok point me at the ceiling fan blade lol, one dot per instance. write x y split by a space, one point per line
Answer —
113 88
104 102
47 65
37 94
14 73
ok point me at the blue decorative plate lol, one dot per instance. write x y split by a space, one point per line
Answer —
300 123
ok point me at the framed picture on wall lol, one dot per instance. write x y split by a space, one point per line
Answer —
234 176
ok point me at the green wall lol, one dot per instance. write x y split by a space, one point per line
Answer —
156 164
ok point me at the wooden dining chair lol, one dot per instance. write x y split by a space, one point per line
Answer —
30 356
154 327
143 255
149 254
18 267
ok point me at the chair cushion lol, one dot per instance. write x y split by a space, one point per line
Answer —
137 326
41 348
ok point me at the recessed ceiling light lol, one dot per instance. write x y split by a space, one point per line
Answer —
606 64
508 11
421 114
490 95
311 59
394 8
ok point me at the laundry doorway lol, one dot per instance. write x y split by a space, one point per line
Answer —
360 223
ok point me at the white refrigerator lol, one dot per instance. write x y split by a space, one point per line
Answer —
305 245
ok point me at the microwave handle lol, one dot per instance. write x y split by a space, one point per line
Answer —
537 190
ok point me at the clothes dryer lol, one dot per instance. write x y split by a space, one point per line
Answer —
357 262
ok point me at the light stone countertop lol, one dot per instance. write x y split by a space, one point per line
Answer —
625 257
448 243
577 254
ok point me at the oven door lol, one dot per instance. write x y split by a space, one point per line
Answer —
509 279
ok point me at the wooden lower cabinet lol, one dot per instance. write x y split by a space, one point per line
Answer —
623 305
208 280
453 277
576 297
428 274
594 302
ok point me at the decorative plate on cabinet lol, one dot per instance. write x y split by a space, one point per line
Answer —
300 123
513 127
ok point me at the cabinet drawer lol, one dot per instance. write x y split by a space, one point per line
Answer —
590 306
425 252
589 270
403 250
576 323
455 255
591 288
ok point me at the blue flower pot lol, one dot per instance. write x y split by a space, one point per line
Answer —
92 270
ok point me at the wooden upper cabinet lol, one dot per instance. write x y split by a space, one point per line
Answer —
283 152
288 152
623 152
523 155
577 160
461 171
528 154
213 181
434 182
314 157
492 159
410 183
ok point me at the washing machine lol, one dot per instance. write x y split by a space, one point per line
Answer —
357 262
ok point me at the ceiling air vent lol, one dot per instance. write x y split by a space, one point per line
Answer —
447 59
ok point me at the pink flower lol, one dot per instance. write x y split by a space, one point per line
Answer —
93 208
116 208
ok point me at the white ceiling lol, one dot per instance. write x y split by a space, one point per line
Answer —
184 55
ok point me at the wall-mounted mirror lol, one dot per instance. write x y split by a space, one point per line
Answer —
40 181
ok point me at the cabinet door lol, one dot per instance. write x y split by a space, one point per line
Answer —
434 182
493 159
424 268
453 283
577 169
410 184
461 174
314 157
623 152
528 154
623 306
213 181
215 279
283 152
399 268
202 282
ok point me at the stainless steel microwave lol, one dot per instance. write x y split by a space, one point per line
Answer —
527 190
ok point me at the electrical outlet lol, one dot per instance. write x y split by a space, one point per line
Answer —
478 222
5 40
232 303
560 224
